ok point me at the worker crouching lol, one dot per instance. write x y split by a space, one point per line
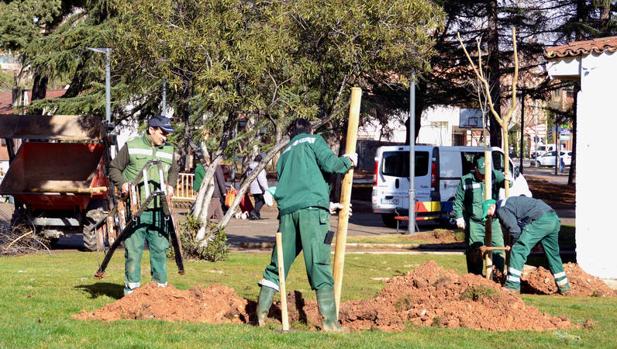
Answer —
530 221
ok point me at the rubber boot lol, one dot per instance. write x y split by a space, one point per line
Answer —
266 294
327 308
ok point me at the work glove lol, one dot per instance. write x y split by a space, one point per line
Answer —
335 206
460 223
486 207
353 158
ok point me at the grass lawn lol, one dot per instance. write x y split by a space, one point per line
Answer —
40 293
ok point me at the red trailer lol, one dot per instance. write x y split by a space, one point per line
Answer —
57 175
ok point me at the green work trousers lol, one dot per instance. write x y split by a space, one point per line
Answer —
151 227
305 231
474 238
545 230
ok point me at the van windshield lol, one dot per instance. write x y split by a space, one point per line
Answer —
396 163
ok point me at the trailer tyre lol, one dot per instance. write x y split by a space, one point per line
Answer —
388 220
93 239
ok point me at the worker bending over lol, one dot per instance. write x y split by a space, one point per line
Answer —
530 221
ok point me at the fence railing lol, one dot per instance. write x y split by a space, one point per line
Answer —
184 187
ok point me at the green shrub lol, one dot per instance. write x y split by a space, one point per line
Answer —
215 250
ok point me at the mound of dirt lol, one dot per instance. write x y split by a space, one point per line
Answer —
433 296
541 281
215 304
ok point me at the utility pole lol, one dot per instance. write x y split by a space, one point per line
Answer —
412 155
107 52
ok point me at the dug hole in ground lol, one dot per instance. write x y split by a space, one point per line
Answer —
426 296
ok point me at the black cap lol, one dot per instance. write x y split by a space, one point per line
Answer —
162 122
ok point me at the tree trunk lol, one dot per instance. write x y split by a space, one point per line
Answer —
39 91
250 178
494 71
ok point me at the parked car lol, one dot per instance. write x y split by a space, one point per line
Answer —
548 159
438 170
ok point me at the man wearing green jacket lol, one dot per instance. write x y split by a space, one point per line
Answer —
151 226
530 221
468 213
302 196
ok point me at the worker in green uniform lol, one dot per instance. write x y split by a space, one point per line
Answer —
303 202
467 209
530 221
151 226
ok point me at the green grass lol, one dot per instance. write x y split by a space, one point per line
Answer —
40 293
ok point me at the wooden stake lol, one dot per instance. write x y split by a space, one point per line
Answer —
282 291
488 228
343 217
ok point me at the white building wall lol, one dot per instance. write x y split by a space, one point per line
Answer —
596 232
436 125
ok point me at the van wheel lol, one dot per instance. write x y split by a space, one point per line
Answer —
388 220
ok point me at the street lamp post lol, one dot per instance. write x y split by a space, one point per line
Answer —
412 156
107 52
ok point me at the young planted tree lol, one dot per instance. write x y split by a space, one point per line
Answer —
502 119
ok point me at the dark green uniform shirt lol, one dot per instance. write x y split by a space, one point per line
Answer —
517 211
134 155
301 169
470 195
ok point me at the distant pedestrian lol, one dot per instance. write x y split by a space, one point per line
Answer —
216 209
258 187
562 164
529 221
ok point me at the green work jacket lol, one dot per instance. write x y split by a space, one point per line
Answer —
301 169
133 157
470 195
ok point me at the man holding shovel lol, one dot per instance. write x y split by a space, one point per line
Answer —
151 225
529 221
303 202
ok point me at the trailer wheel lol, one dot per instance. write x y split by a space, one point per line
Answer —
388 220
93 238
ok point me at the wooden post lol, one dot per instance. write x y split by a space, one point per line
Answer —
488 229
343 218
282 291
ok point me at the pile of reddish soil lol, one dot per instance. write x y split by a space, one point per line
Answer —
541 281
426 296
433 296
215 304
561 196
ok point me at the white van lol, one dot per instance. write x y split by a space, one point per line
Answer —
438 170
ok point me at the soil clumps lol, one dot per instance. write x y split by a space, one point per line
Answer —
541 281
215 304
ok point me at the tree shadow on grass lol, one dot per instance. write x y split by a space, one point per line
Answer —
98 289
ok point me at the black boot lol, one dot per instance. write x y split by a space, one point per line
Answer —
266 294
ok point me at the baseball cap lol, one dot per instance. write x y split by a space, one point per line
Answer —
161 121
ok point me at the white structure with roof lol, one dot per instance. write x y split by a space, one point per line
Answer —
594 64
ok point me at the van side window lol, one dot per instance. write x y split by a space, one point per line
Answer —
396 163
467 162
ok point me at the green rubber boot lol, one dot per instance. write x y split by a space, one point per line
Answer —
266 294
327 308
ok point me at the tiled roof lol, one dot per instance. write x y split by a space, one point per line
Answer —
579 48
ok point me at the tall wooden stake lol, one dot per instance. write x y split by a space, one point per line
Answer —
343 217
282 289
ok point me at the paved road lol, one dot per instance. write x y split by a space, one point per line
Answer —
362 223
